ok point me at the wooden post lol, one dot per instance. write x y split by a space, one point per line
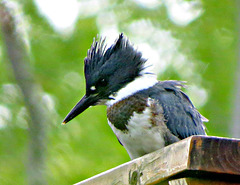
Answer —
195 160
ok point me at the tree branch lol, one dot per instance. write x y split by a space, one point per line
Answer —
19 59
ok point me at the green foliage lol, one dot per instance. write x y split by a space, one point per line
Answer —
86 146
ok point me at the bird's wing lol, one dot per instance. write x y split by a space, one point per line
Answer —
182 118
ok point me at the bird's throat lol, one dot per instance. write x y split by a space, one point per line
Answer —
140 83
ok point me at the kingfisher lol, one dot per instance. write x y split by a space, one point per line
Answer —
145 114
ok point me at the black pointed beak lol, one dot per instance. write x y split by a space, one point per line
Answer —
81 106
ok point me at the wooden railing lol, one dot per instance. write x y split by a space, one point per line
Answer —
195 160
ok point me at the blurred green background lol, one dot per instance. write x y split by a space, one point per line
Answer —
194 41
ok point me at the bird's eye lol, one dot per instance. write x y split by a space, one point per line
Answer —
102 82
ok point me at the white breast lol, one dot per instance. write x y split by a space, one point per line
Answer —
141 137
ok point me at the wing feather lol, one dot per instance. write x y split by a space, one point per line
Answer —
182 118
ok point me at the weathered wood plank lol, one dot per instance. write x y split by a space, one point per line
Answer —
199 181
194 155
212 154
148 169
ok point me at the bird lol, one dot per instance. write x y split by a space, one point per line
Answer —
145 114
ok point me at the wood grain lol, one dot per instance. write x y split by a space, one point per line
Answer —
213 154
199 181
198 157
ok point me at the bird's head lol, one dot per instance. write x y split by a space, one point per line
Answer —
107 71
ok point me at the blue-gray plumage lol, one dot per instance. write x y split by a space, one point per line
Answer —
182 118
145 114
